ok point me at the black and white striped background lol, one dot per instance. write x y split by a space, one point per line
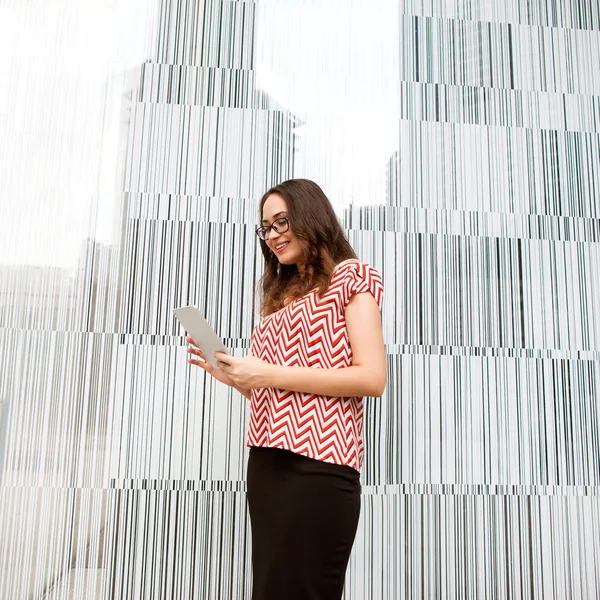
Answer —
122 468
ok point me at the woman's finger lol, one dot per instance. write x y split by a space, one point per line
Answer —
224 358
199 363
194 348
197 353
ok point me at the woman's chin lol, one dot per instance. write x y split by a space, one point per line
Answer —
288 262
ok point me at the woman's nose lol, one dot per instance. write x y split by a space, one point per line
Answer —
272 235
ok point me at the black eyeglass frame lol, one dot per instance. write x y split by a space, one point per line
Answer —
262 231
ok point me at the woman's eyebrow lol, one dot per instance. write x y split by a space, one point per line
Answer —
282 212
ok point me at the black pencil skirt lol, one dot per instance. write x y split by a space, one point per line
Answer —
304 514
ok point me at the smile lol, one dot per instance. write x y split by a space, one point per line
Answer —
280 247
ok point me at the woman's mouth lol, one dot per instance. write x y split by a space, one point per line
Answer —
281 247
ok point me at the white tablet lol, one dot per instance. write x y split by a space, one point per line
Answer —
201 332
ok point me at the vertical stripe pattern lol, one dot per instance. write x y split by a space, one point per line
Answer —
460 145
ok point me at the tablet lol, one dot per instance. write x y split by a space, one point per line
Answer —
201 332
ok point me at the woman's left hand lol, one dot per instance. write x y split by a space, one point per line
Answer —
248 372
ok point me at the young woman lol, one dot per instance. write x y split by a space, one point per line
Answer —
317 351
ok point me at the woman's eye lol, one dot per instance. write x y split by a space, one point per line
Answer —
280 222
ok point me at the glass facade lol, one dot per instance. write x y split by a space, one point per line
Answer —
460 145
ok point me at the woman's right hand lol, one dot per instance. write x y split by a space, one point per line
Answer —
199 360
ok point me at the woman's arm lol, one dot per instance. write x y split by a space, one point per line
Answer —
366 377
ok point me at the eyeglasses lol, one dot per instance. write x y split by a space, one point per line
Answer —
280 226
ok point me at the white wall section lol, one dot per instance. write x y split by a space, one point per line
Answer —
460 145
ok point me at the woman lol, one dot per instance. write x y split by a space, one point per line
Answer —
316 352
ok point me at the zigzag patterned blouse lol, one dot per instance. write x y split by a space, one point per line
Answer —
311 332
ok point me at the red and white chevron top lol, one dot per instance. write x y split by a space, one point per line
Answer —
311 332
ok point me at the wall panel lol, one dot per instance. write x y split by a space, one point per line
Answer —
459 143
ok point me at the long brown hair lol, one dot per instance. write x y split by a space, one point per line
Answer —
314 222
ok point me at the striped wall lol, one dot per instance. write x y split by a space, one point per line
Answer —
460 145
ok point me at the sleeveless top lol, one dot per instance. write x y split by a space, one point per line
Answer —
311 332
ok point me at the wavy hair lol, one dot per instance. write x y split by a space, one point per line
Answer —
314 222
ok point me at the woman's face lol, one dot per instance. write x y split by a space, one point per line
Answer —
286 246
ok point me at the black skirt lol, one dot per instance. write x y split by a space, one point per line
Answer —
304 514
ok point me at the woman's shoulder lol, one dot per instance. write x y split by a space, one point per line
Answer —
353 266
354 276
